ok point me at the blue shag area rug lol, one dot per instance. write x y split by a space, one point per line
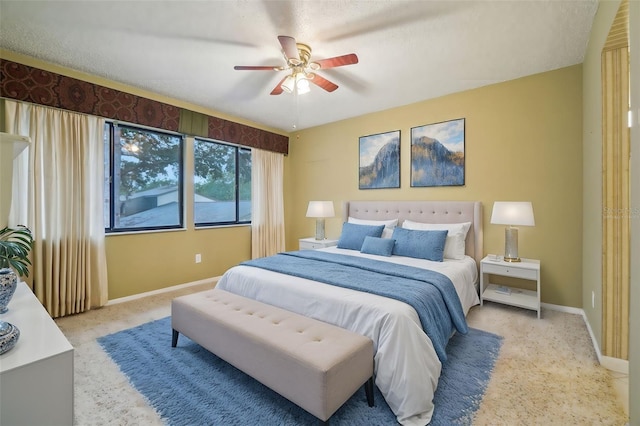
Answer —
188 385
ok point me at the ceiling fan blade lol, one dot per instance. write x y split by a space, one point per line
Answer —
338 61
258 68
278 89
289 47
324 83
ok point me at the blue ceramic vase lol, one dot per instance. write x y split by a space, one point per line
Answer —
8 283
9 335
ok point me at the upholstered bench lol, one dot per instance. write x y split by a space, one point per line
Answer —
316 365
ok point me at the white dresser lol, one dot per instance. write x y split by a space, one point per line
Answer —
36 376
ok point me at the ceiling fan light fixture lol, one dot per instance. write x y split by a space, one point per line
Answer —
289 84
303 87
302 84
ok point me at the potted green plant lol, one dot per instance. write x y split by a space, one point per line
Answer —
15 245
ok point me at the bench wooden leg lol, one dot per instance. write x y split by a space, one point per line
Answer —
368 390
174 339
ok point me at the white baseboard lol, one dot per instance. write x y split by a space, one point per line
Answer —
161 290
560 308
596 347
614 364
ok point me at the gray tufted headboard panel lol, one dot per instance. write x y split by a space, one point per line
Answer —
427 212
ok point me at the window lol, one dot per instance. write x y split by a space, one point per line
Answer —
143 179
222 184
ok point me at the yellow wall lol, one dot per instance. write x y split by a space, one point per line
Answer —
523 141
145 262
142 262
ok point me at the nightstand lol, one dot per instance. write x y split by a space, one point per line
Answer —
313 244
528 269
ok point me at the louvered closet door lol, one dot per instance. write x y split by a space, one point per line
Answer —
615 189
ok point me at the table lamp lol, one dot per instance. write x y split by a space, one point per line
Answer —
320 210
512 213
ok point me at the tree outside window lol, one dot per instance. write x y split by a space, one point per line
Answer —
222 183
146 179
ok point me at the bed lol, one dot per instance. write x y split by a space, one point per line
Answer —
407 361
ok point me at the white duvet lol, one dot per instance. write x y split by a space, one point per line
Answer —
406 365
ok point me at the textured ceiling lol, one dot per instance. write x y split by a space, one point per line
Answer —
408 50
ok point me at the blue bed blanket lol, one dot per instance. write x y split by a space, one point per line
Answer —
430 293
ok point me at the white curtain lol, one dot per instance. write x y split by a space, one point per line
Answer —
58 194
267 203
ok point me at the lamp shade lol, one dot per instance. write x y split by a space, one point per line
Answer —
515 213
320 209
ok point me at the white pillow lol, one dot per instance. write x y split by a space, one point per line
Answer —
454 247
387 232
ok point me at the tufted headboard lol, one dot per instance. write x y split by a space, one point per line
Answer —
427 212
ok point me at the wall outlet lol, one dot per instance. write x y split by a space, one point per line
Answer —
593 300
198 258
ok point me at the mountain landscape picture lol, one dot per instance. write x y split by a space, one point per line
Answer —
437 154
380 161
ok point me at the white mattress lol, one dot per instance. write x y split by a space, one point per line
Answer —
406 378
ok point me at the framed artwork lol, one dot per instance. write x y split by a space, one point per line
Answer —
380 161
437 154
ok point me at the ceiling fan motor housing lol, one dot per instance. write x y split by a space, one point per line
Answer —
304 51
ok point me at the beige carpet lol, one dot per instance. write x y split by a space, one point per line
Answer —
547 372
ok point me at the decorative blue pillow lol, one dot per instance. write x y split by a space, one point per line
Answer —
420 244
379 246
353 235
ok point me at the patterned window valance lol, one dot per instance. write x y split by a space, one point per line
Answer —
29 84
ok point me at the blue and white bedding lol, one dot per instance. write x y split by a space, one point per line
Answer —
406 361
430 293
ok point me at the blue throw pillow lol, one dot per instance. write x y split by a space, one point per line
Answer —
353 235
379 246
419 244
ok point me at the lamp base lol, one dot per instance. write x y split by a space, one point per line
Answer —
511 244
319 229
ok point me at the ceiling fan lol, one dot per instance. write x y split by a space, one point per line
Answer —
297 56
